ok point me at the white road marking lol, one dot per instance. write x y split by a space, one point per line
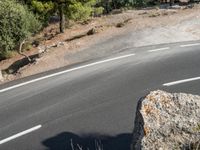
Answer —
160 49
20 134
190 45
65 71
181 81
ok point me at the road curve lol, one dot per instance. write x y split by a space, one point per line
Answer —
93 102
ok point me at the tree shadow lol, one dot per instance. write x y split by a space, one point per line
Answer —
71 141
14 67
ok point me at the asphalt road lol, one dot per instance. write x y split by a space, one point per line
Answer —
92 103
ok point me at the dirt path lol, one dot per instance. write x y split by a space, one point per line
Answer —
138 28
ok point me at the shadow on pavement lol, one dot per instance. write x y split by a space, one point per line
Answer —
71 141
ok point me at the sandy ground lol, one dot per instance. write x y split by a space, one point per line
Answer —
142 28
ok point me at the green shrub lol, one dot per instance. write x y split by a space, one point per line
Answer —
6 54
43 9
16 24
98 11
79 11
139 3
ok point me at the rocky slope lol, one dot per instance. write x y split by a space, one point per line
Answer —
167 121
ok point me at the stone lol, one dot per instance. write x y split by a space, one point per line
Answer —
1 76
91 31
36 43
167 121
41 49
120 24
60 44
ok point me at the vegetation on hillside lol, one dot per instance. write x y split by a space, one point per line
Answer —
20 19
16 24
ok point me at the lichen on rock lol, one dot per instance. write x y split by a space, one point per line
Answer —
166 121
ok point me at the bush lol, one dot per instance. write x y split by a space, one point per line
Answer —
16 24
139 3
6 54
78 11
98 11
81 10
43 9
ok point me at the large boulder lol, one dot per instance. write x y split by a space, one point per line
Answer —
167 121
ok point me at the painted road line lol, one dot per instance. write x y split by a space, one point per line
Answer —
159 49
181 81
190 45
20 134
65 71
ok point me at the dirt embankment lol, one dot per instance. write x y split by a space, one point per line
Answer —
137 27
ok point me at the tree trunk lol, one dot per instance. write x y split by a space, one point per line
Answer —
21 53
107 6
171 2
62 18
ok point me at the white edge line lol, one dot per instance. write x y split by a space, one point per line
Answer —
20 134
189 45
160 49
65 71
181 81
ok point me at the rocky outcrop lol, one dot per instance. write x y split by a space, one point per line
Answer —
166 121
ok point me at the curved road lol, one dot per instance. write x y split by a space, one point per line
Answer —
93 103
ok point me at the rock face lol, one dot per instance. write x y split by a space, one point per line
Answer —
166 121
